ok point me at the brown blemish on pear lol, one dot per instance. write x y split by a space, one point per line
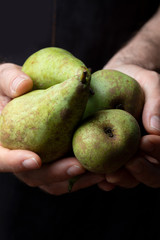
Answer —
113 89
106 141
45 120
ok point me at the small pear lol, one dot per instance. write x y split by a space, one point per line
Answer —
106 141
52 65
112 89
44 121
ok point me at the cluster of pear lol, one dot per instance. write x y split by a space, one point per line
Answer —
69 109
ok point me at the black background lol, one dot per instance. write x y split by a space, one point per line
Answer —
92 30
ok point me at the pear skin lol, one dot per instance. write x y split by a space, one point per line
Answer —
52 65
112 89
106 141
44 121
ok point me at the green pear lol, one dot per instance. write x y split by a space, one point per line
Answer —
52 65
44 121
106 141
112 89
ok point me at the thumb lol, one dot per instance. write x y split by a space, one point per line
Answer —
151 112
13 82
18 160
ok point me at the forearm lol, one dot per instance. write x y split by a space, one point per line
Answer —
143 49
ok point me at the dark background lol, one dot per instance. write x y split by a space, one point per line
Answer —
93 30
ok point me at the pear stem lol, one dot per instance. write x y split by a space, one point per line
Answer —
71 182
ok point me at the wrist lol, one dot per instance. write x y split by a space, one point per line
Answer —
142 49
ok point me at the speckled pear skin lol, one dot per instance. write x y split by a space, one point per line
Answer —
44 121
114 90
106 141
52 65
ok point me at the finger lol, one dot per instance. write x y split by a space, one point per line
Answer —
3 102
13 82
56 189
105 186
151 112
145 171
87 180
53 172
122 178
18 160
84 181
150 145
150 83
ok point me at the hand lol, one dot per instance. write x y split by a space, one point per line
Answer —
145 166
26 165
13 83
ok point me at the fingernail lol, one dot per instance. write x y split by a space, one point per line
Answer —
75 170
155 122
17 81
151 159
111 179
30 163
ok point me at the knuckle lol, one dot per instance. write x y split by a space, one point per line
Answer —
31 184
24 177
153 183
6 66
54 193
155 77
50 191
132 184
8 74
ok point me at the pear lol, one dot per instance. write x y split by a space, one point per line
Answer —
52 65
44 121
112 89
104 142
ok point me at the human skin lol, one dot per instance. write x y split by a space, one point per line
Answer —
139 59
52 178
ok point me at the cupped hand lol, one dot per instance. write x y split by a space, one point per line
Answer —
52 178
13 82
145 166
